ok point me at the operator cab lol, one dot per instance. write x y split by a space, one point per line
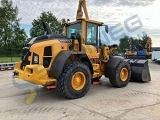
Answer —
86 32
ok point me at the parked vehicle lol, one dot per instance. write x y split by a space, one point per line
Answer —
155 56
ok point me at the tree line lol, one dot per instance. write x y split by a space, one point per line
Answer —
12 36
126 41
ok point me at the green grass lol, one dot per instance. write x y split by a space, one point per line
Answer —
9 59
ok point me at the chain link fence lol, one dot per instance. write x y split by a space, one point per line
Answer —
10 54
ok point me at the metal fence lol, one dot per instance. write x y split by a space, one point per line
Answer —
6 66
10 54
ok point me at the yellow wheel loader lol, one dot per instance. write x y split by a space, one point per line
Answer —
76 59
133 52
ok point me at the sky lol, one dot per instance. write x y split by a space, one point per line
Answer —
124 17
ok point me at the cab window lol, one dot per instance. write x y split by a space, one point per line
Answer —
92 34
74 29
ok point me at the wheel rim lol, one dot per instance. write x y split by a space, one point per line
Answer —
124 74
78 80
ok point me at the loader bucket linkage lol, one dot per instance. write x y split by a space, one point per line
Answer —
139 70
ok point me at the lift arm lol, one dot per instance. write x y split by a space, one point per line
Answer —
82 4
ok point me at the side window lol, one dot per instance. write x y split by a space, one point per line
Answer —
92 34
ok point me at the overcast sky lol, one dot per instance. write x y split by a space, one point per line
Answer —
111 12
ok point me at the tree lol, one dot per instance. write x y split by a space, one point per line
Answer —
11 35
139 43
144 40
37 29
124 44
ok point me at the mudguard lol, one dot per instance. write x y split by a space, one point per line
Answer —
65 57
112 64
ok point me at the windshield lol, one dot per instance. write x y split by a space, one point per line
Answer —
74 29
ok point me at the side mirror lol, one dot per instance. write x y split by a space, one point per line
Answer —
106 28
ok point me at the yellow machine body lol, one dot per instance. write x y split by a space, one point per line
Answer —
57 46
31 72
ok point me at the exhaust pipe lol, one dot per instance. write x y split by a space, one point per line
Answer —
139 70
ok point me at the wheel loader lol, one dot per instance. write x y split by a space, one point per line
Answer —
133 52
75 60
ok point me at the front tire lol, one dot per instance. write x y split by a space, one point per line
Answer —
122 75
75 80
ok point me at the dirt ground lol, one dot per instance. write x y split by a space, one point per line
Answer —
136 101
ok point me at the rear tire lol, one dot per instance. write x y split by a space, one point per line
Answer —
122 76
75 80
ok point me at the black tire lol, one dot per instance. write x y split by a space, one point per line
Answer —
116 80
65 80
